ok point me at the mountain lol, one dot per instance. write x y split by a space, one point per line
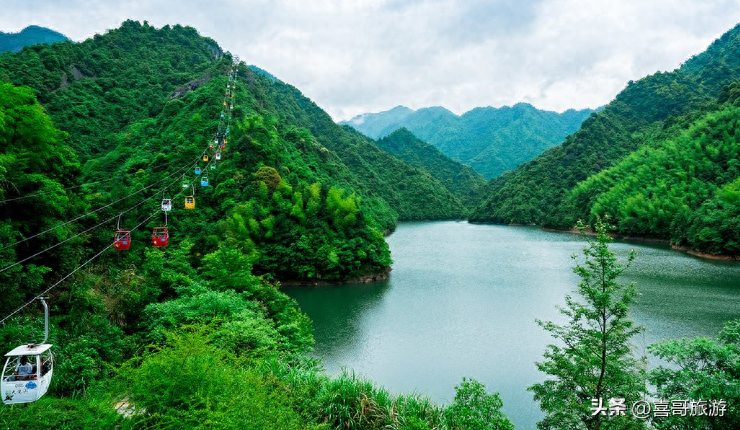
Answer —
490 140
31 35
375 124
665 112
460 180
100 133
133 99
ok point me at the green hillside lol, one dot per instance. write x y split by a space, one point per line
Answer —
643 113
683 185
195 334
462 181
490 140
31 35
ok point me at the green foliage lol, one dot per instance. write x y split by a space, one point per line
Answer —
190 383
474 409
593 358
33 160
700 369
390 187
63 414
682 187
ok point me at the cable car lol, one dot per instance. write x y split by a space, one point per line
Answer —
227 130
160 235
197 170
223 145
205 158
122 240
218 156
222 115
231 107
166 205
190 202
213 166
185 185
204 181
28 369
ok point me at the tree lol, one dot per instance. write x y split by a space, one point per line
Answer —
702 370
474 409
593 362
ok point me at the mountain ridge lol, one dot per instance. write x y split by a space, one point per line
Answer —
488 139
31 35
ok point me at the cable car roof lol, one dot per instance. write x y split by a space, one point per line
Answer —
32 349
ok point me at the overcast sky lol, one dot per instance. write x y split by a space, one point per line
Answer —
356 56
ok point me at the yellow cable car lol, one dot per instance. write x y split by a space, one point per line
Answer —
205 157
190 202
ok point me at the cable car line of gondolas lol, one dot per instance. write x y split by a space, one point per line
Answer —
46 193
24 380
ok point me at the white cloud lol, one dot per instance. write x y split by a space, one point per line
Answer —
368 55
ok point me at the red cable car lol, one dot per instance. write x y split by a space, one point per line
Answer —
122 240
160 237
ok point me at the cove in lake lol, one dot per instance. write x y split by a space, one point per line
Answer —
462 300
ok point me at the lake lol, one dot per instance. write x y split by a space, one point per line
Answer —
462 300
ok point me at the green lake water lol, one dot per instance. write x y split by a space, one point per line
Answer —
462 300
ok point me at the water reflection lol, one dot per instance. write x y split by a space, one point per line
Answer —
337 312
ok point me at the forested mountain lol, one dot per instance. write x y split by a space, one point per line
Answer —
31 35
490 140
462 181
661 114
93 136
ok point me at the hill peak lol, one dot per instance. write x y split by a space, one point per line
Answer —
31 35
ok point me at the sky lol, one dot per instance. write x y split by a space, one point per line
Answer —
357 56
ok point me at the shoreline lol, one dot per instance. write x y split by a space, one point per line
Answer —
364 279
645 239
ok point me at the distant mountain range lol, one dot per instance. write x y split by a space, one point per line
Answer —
31 35
490 140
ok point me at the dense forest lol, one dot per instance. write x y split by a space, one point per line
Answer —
461 180
31 35
195 334
490 140
660 159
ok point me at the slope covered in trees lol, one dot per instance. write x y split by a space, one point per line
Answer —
685 187
196 334
645 111
462 181
31 35
490 140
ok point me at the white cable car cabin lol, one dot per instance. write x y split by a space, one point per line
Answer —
166 205
28 370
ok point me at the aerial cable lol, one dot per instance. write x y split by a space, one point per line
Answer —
83 232
93 211
56 283
43 193
43 293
